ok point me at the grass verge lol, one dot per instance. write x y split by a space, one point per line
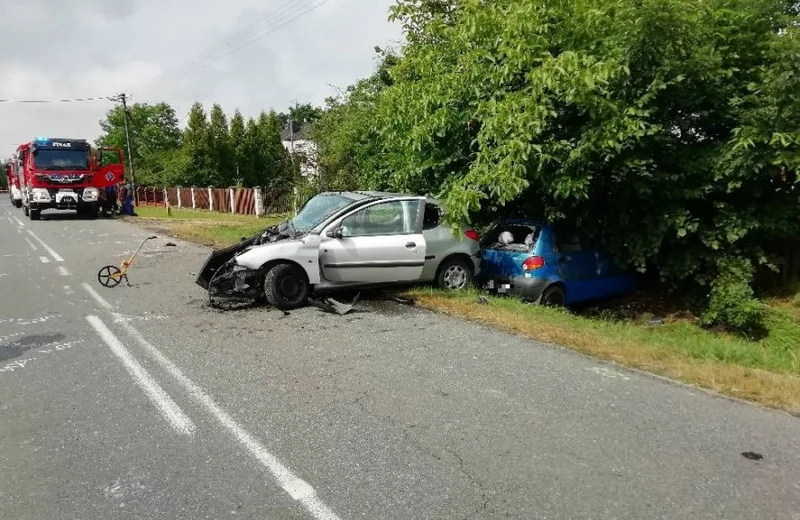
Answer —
765 371
203 227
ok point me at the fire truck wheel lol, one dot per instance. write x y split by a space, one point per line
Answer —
18 203
35 214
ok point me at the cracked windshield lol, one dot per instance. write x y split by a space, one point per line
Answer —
400 259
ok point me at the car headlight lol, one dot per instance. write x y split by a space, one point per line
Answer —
90 194
40 195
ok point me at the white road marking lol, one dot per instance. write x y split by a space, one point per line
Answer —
63 271
607 372
157 395
44 259
19 221
33 246
296 487
47 248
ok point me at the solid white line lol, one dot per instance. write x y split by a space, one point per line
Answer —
44 259
296 487
157 395
63 271
47 248
33 246
19 221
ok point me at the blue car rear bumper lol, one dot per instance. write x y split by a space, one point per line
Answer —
529 289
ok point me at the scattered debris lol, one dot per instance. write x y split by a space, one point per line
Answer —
655 322
483 300
404 301
751 455
286 313
334 307
171 244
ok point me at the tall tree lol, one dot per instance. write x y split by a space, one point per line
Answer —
237 141
273 163
223 162
199 148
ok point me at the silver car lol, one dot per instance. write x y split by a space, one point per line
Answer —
344 240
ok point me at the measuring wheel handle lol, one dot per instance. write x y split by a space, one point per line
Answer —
109 276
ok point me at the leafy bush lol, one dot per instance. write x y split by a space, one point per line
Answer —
731 302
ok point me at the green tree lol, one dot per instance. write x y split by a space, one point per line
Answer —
199 149
223 162
620 115
349 143
153 131
237 141
272 159
300 115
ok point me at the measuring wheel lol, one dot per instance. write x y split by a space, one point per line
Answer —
109 276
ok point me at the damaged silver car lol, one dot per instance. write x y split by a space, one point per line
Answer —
343 240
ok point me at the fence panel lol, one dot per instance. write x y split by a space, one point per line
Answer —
186 197
245 200
172 196
222 200
201 198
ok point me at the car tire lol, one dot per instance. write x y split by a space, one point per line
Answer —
455 274
554 296
286 287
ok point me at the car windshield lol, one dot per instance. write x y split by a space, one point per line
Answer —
62 160
318 209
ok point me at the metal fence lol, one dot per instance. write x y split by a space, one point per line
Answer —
241 201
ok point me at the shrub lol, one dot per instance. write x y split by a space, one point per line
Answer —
731 300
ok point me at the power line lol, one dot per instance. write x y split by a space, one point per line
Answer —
72 100
252 33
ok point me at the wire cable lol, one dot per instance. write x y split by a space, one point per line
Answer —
72 100
254 32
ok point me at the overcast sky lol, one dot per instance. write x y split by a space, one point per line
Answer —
55 49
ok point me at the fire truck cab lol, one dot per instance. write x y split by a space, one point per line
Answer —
63 174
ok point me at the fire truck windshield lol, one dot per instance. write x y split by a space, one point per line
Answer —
45 159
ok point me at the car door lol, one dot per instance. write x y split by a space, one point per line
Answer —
110 167
379 243
577 266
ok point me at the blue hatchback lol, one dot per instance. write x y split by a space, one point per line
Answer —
547 264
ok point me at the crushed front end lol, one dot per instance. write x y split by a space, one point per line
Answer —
229 283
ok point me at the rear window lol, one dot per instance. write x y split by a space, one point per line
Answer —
511 238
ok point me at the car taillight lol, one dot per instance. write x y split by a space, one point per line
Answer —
532 263
472 235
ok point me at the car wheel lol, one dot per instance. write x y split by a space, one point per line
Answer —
286 287
455 274
554 296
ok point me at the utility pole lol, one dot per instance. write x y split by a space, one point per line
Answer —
123 98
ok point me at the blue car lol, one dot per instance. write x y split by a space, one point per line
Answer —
551 265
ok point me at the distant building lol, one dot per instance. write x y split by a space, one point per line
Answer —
303 150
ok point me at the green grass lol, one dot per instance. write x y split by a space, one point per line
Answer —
204 227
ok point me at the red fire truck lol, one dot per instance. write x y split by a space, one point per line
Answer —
64 174
13 184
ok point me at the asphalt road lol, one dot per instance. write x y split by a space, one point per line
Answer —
143 402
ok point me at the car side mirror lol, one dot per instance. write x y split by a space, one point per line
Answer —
335 233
